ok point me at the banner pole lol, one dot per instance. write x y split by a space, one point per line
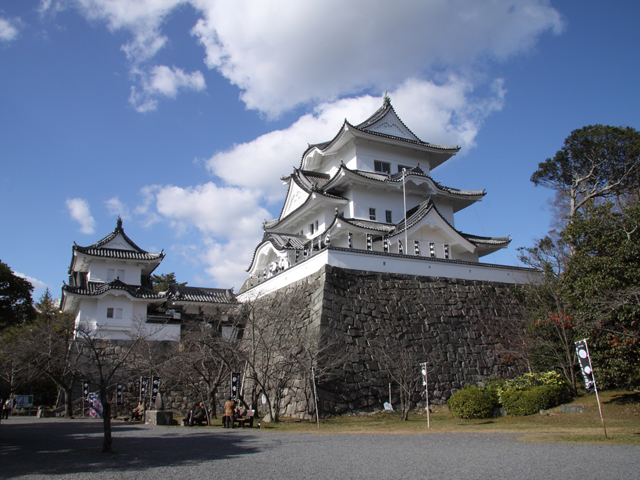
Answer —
426 388
595 387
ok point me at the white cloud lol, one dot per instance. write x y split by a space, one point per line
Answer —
116 207
228 220
225 263
163 81
80 212
37 284
283 53
148 198
213 210
9 28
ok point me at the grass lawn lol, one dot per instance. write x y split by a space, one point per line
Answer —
621 411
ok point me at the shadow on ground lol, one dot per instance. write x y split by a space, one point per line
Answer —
74 446
625 398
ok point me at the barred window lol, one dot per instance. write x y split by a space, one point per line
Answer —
383 167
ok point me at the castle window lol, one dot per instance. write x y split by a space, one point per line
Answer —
109 312
372 214
383 167
311 228
446 251
118 313
111 274
121 275
387 215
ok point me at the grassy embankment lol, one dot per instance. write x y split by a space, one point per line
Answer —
621 411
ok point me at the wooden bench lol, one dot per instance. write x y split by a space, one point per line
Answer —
246 419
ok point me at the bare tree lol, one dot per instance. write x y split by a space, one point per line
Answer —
278 335
326 354
99 360
207 357
14 372
401 361
45 344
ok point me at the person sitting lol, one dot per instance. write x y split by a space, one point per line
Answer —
197 415
138 412
229 413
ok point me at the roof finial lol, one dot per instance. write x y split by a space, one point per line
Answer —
386 98
119 223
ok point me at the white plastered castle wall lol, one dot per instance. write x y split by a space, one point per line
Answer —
368 152
358 260
99 272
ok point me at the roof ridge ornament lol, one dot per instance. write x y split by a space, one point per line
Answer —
119 223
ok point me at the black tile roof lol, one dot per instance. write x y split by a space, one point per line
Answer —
396 178
185 293
96 288
369 224
121 254
176 292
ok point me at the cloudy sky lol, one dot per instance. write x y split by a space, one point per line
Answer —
182 115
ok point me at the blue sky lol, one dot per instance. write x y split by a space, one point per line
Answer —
182 116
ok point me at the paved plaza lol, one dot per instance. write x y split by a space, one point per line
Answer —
33 448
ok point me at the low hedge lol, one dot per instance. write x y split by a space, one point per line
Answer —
473 402
531 401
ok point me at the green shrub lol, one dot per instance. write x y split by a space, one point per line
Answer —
529 381
473 402
531 401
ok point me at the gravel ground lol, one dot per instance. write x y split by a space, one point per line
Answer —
57 448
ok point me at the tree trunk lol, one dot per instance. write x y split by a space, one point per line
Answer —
106 423
406 404
212 402
68 401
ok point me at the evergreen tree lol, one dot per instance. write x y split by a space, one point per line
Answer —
16 305
163 281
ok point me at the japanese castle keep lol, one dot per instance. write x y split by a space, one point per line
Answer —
371 238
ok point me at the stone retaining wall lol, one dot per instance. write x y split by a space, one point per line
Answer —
465 330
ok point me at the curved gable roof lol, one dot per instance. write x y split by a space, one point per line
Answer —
396 178
134 252
375 126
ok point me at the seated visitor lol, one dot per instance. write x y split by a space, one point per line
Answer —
138 412
198 414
